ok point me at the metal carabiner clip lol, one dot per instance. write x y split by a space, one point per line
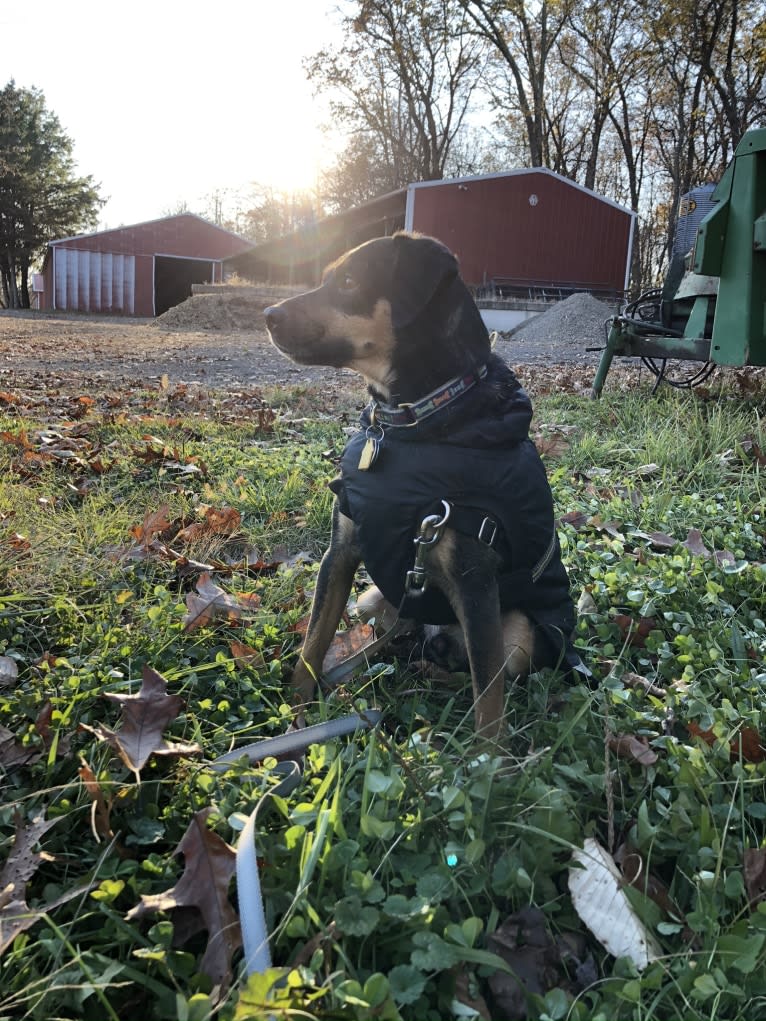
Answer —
430 527
429 534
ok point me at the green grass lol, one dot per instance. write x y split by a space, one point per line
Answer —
386 872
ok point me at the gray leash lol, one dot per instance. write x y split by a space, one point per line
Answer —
255 937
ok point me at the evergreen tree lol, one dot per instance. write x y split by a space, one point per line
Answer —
41 197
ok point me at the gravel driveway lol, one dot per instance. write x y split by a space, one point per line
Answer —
69 352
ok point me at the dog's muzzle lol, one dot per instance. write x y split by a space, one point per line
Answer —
275 316
303 340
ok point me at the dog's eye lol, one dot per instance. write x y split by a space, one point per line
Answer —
346 282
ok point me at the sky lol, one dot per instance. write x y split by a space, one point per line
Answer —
172 100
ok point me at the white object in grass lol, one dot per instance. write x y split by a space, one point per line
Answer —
597 893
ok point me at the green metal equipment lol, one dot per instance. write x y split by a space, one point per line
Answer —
712 306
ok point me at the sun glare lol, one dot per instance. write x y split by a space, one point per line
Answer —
227 104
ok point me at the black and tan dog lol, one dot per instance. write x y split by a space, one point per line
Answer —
444 440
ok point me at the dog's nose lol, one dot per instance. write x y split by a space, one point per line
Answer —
274 316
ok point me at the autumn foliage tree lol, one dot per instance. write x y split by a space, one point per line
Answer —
41 196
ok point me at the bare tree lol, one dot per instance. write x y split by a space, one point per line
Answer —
597 39
731 49
361 172
708 88
400 84
264 213
523 36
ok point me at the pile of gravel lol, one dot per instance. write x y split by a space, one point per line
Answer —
561 333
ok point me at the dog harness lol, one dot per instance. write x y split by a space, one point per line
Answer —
489 472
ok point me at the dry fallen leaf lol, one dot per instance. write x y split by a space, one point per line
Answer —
635 873
209 603
223 521
586 604
635 632
661 540
576 519
204 889
99 813
603 906
14 753
153 524
551 446
347 643
632 680
746 742
696 731
245 655
538 961
696 544
628 746
469 998
755 874
22 863
9 671
145 716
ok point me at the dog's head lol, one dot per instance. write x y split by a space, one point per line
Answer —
393 309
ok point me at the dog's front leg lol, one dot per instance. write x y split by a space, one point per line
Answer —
334 581
467 574
479 617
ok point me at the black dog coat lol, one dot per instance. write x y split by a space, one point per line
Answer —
483 462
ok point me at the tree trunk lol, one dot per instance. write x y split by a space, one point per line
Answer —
6 298
14 299
25 303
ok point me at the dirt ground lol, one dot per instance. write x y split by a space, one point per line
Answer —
71 353
37 349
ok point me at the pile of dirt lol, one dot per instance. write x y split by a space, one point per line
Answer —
562 332
228 310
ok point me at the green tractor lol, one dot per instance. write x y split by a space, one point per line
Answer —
711 309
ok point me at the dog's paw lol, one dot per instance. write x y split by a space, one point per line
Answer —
445 647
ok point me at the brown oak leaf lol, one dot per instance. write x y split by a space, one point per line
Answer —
215 521
635 632
153 524
628 746
22 863
755 874
203 889
245 655
14 753
144 717
746 741
209 603
347 643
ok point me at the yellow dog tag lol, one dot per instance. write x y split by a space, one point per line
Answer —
369 454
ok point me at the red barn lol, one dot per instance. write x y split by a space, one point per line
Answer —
140 270
525 233
526 229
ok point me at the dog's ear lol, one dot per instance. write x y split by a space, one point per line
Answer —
421 266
